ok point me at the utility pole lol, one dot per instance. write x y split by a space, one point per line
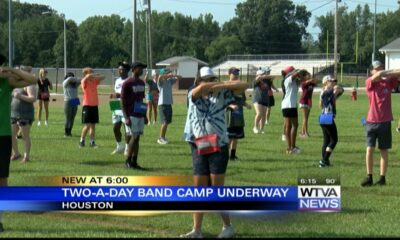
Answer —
373 50
150 46
10 47
134 35
336 40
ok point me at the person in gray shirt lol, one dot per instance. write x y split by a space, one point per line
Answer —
164 83
71 101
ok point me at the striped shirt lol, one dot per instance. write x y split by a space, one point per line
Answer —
207 116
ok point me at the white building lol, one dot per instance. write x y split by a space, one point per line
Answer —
185 66
392 54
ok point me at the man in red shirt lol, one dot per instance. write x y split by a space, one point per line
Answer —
379 89
134 111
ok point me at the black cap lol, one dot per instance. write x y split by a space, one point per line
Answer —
138 64
2 59
125 65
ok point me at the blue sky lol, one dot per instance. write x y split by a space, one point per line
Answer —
222 10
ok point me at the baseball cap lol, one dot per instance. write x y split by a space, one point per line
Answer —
233 70
327 78
138 64
165 71
376 64
267 69
125 65
207 73
260 72
288 69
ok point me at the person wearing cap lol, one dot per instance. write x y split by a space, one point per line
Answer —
117 115
291 83
71 101
260 100
271 99
307 88
329 94
379 88
134 110
152 97
206 116
90 109
165 101
10 78
234 116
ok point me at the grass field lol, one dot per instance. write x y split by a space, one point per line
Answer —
366 212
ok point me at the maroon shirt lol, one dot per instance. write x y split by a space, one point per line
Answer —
306 97
132 91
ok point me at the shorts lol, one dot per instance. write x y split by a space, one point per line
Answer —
149 96
305 106
136 127
21 122
90 114
380 131
45 99
235 132
289 112
117 118
165 112
213 163
262 103
271 101
5 155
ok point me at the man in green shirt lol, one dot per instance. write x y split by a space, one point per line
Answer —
10 78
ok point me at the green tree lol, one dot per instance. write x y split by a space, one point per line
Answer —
222 46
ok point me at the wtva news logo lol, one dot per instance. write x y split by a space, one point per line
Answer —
319 198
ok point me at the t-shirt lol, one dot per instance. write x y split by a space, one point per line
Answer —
328 101
43 87
207 116
132 93
5 107
290 98
70 86
380 103
117 89
235 118
89 88
307 91
151 86
165 87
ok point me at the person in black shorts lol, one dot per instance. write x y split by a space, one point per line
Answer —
9 79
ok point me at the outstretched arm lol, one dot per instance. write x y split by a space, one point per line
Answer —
17 78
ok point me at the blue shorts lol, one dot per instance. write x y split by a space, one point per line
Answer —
213 163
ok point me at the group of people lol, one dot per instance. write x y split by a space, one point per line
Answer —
214 122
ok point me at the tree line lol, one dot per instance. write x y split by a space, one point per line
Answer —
258 27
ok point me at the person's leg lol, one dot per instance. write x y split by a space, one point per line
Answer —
305 122
232 145
293 133
117 131
198 216
262 117
85 129
288 126
268 115
27 141
40 104
46 109
384 161
257 118
15 152
149 109
92 133
74 110
67 115
219 180
155 109
325 143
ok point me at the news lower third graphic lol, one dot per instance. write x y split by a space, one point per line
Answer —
129 193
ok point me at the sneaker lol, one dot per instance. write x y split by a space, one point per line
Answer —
192 234
283 138
235 158
289 151
128 164
256 131
323 163
367 182
162 141
126 152
261 131
266 122
93 145
81 144
38 123
381 182
154 122
46 123
1 228
227 232
296 150
137 166
119 149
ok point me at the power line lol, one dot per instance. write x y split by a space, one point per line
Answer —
322 5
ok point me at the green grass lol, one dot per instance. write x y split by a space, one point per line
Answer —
369 212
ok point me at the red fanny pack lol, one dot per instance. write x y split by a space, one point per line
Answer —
207 144
44 95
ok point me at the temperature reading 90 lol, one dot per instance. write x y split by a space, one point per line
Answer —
331 181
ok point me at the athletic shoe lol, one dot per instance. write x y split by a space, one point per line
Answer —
38 123
81 144
154 122
262 131
367 182
296 150
266 122
1 228
234 158
381 182
46 123
256 131
192 234
119 149
93 145
283 138
126 152
322 164
162 141
137 167
227 232
128 164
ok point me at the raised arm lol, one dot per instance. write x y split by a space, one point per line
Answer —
17 78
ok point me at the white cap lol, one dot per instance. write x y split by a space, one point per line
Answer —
206 73
327 78
267 69
260 72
